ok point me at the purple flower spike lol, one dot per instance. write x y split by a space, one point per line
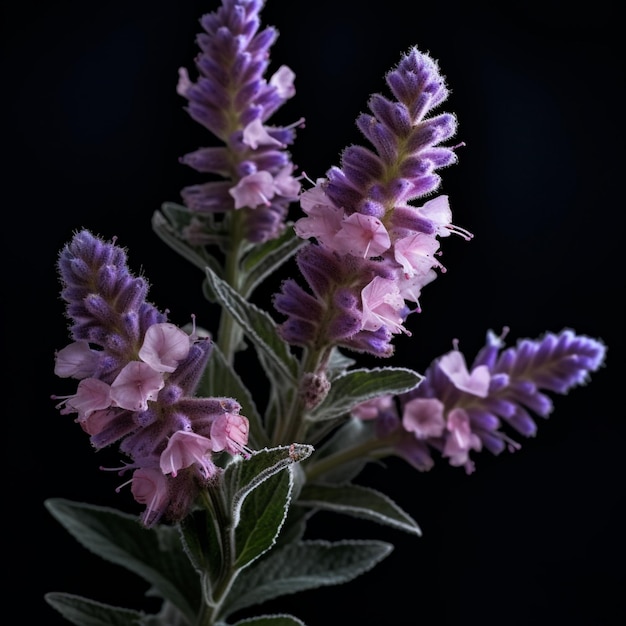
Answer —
233 100
365 235
504 387
137 375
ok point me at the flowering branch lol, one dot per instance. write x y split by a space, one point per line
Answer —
228 480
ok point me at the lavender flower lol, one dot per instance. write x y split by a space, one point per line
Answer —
455 410
372 251
138 374
232 100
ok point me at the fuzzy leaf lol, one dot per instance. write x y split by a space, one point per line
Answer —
266 258
361 502
202 542
243 476
270 620
170 235
359 385
260 494
86 612
262 515
155 554
302 566
257 324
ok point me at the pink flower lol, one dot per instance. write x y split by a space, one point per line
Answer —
454 367
362 236
164 346
91 395
424 417
316 198
184 449
370 409
137 383
255 135
382 303
149 487
460 440
77 360
96 422
416 254
438 212
253 190
229 432
323 222
285 184
283 80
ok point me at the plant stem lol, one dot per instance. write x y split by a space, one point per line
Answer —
370 449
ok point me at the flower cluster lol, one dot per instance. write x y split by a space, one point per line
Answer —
138 373
232 99
455 410
373 251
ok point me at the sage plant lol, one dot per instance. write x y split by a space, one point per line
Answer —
226 475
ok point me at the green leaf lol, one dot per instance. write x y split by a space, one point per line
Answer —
266 258
358 501
85 612
201 541
262 515
258 326
260 494
155 554
302 566
270 620
221 380
242 476
170 235
359 385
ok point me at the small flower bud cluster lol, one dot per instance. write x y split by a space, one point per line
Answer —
372 251
137 376
232 100
456 410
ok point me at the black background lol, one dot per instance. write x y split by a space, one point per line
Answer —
95 129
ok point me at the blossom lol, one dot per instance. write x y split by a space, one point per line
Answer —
454 367
382 305
424 417
164 347
77 360
229 431
233 100
150 487
185 449
135 385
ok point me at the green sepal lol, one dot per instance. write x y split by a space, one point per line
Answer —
356 386
358 501
155 554
266 258
302 566
85 612
258 326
